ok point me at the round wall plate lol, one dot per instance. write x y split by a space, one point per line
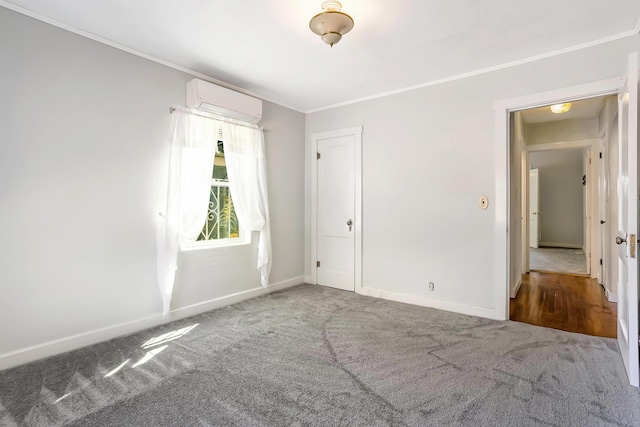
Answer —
484 202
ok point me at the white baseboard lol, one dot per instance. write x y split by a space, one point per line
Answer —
51 348
561 245
514 289
472 310
308 279
611 297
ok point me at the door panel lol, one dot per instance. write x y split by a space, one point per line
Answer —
603 173
534 208
627 262
336 208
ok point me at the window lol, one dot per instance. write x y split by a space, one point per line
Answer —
221 227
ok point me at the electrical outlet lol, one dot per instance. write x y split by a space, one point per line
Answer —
431 286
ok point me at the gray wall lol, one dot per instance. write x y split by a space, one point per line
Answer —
561 196
83 133
429 154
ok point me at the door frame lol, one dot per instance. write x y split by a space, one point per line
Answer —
356 132
502 109
592 199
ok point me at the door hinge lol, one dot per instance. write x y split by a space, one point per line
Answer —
317 156
317 264
601 154
600 261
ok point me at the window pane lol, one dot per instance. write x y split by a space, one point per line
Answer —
222 222
228 220
219 168
219 165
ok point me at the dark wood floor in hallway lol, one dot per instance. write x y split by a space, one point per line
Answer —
570 303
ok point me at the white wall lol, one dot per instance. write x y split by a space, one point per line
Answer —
429 154
83 132
561 196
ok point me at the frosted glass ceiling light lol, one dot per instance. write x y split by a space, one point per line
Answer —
331 24
561 108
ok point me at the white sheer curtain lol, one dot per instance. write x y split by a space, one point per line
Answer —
193 144
246 169
192 149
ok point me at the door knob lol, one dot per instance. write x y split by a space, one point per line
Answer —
349 223
620 240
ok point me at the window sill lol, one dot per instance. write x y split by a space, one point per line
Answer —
212 244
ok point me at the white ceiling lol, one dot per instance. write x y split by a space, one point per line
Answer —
266 47
584 109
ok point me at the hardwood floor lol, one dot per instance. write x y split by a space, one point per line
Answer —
570 303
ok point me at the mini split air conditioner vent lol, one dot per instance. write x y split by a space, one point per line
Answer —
223 102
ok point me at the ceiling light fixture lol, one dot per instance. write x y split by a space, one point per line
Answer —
561 108
331 24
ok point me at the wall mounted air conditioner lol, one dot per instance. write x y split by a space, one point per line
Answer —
224 102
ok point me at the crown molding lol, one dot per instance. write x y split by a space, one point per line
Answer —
485 70
138 53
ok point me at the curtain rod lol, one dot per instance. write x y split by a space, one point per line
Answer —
172 109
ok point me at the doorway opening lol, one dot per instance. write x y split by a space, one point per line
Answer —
561 183
558 210
620 262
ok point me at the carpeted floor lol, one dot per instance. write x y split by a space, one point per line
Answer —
318 356
558 260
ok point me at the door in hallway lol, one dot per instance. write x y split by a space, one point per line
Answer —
534 208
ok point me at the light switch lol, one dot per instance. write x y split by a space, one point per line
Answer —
484 202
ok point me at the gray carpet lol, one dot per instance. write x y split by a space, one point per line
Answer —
317 356
559 260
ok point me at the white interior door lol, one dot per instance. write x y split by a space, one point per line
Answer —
587 209
336 212
628 222
534 208
603 217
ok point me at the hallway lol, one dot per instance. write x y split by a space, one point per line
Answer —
569 303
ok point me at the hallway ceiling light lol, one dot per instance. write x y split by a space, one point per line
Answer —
331 24
561 108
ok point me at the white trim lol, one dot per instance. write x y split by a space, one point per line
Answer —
637 27
501 249
455 307
484 70
611 297
356 131
561 245
514 290
194 73
502 108
309 279
51 348
138 53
